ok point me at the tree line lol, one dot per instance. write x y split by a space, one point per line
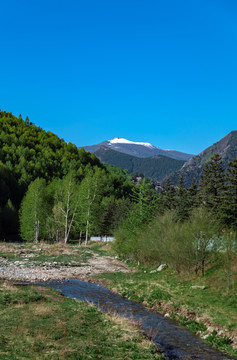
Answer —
187 228
27 153
66 208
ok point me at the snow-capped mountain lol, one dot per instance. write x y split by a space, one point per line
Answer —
125 141
138 149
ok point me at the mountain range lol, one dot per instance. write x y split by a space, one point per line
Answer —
139 157
138 149
158 164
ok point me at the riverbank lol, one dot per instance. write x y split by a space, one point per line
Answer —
209 312
39 323
32 262
199 303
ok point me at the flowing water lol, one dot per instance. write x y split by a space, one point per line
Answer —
176 342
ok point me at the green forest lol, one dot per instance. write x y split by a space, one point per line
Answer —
38 170
50 190
190 230
156 167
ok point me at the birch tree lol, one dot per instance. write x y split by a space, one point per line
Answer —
33 211
66 205
90 191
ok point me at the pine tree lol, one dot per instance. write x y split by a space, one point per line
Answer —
27 121
168 197
182 201
211 186
229 208
193 190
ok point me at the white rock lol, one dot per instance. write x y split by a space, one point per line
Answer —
200 287
162 267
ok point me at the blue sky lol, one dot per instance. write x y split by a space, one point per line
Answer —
158 71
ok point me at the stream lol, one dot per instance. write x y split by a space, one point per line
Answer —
173 340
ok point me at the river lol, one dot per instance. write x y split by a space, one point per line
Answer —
173 340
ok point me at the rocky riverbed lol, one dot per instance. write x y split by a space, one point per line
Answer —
27 265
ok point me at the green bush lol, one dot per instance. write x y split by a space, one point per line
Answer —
185 246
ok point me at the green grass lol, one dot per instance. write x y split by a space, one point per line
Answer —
43 253
171 293
39 323
102 249
63 259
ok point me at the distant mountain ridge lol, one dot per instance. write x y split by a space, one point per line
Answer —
226 148
137 149
154 163
155 168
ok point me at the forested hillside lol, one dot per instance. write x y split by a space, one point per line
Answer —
155 168
226 148
28 152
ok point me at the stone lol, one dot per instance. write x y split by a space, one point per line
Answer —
162 267
200 287
128 260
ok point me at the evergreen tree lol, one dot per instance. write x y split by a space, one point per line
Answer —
27 121
168 197
193 190
229 204
212 183
182 201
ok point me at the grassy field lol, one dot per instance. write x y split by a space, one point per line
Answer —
39 323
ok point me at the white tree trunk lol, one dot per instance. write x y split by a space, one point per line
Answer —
87 231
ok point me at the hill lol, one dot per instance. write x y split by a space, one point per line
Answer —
138 149
226 148
155 168
28 152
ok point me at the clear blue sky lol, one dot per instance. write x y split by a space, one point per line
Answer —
160 71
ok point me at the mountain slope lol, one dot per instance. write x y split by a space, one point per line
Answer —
29 152
155 168
138 149
226 148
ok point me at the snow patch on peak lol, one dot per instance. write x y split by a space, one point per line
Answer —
125 141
